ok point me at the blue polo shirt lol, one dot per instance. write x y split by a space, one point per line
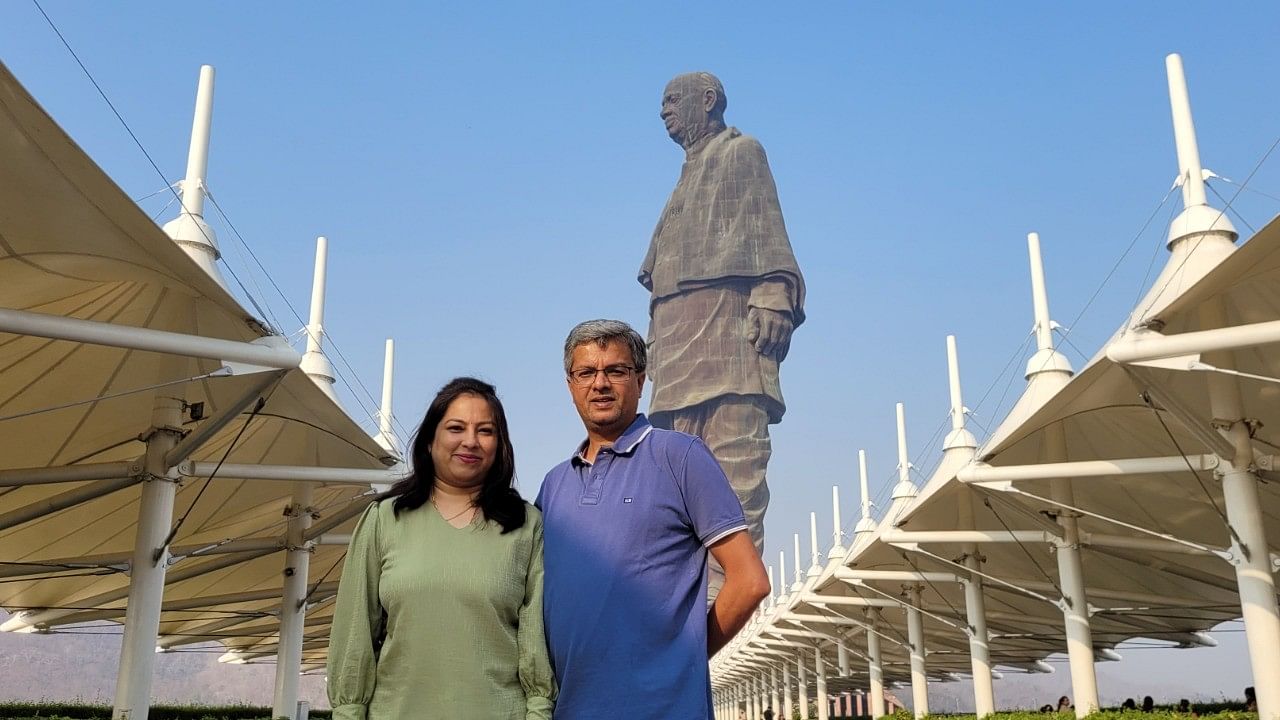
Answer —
625 591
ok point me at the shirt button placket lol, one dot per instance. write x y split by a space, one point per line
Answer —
595 477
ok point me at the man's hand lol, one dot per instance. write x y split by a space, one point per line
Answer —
745 585
770 332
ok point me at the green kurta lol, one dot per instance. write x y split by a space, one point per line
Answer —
464 620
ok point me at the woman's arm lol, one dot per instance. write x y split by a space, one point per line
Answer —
352 666
535 664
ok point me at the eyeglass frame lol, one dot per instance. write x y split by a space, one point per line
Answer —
584 381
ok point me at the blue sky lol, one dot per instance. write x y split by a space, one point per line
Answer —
489 175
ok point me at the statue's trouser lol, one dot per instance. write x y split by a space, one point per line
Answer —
736 429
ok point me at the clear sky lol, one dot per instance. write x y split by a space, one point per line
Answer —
488 175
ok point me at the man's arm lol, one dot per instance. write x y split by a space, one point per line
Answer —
745 585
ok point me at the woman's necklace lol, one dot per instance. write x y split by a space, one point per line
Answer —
470 506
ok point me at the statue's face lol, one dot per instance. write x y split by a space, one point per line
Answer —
685 109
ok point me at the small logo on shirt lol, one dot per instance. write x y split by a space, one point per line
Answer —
626 499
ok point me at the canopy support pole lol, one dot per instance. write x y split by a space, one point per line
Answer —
915 635
147 569
271 351
773 691
787 706
820 681
1244 513
875 670
1075 602
802 692
292 611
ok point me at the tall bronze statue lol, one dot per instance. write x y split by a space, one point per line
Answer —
726 293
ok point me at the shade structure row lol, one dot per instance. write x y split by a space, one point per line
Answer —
1133 499
167 460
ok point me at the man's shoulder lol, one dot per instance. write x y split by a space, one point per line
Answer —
674 447
671 440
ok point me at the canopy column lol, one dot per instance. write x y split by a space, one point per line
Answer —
802 690
820 679
773 694
875 670
915 636
1249 544
979 650
1075 601
293 603
786 691
147 569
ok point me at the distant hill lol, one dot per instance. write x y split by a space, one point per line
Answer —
83 667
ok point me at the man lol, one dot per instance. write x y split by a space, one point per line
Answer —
628 521
726 293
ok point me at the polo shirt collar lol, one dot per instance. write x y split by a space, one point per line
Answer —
626 442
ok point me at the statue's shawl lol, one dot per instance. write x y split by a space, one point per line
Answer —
722 222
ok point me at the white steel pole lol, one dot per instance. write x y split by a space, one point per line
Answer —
862 485
773 694
959 440
1257 587
820 674
764 692
962 444
147 569
189 229
979 649
842 659
315 324
1075 609
799 581
866 525
837 534
915 636
815 569
193 187
1184 134
314 362
787 707
386 430
782 577
876 669
292 609
267 352
1039 295
905 488
757 711
802 693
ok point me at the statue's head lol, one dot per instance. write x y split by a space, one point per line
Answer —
693 107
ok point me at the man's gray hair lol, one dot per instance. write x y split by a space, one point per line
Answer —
601 332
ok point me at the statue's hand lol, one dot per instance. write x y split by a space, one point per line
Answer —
770 332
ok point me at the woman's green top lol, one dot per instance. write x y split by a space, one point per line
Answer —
463 608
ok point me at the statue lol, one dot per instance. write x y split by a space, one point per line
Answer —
726 293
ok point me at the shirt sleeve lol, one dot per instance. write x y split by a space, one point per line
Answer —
709 500
535 664
352 667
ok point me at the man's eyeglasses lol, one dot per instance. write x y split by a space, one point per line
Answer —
615 374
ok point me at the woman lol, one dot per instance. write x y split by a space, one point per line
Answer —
439 610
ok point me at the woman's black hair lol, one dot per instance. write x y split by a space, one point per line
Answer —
498 499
